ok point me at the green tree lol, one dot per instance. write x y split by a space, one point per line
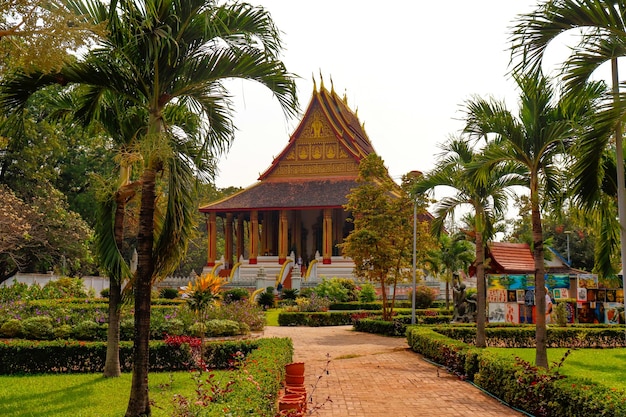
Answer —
487 199
535 143
381 243
37 34
454 254
159 53
601 27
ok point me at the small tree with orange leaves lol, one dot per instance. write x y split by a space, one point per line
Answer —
200 294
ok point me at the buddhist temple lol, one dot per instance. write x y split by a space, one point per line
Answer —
293 214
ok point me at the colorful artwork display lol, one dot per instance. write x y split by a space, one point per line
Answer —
511 298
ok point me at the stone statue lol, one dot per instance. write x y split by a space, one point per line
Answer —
464 307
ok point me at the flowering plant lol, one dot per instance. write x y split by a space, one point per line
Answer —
202 292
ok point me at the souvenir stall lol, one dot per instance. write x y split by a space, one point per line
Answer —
595 304
511 297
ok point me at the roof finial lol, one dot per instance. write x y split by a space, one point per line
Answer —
314 84
332 85
345 96
321 80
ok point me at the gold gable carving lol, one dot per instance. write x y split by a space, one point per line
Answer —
316 152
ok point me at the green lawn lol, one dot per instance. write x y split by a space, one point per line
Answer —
271 316
604 366
87 395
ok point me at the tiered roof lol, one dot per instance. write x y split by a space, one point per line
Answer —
317 168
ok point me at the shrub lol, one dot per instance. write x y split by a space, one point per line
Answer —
242 312
332 289
64 287
64 331
367 293
174 327
222 328
88 330
266 299
235 294
424 296
38 328
315 319
560 312
168 293
127 329
11 328
290 294
197 329
105 293
313 304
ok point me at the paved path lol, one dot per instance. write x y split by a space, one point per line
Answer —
375 376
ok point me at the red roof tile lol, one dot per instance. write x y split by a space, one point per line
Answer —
510 257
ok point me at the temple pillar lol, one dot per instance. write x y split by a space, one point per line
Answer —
211 226
327 236
283 228
254 236
239 237
228 241
297 232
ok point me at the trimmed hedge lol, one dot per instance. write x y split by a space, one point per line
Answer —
538 392
255 392
375 305
30 357
387 328
316 319
524 336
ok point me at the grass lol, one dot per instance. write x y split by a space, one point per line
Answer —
603 366
271 316
87 395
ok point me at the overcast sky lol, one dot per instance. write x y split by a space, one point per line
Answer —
407 66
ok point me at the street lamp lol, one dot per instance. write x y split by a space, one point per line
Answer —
414 255
569 260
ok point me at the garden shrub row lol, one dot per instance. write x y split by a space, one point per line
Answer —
375 305
30 357
524 336
397 327
255 392
538 392
47 320
316 319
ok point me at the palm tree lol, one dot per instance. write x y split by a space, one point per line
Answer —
535 143
601 27
487 199
454 254
157 53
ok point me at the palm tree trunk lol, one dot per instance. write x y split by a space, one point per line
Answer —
541 332
139 404
619 155
112 363
481 339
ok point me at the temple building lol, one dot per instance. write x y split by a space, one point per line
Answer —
293 214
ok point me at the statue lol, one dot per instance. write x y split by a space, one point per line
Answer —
464 307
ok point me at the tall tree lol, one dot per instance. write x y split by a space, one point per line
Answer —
453 255
487 199
601 28
381 243
535 142
37 34
161 52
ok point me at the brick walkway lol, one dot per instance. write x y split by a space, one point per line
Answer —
372 376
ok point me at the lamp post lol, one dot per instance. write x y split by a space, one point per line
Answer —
569 261
414 255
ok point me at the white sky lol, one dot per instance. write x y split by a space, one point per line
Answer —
407 66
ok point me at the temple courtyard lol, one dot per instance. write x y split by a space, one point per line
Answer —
374 376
